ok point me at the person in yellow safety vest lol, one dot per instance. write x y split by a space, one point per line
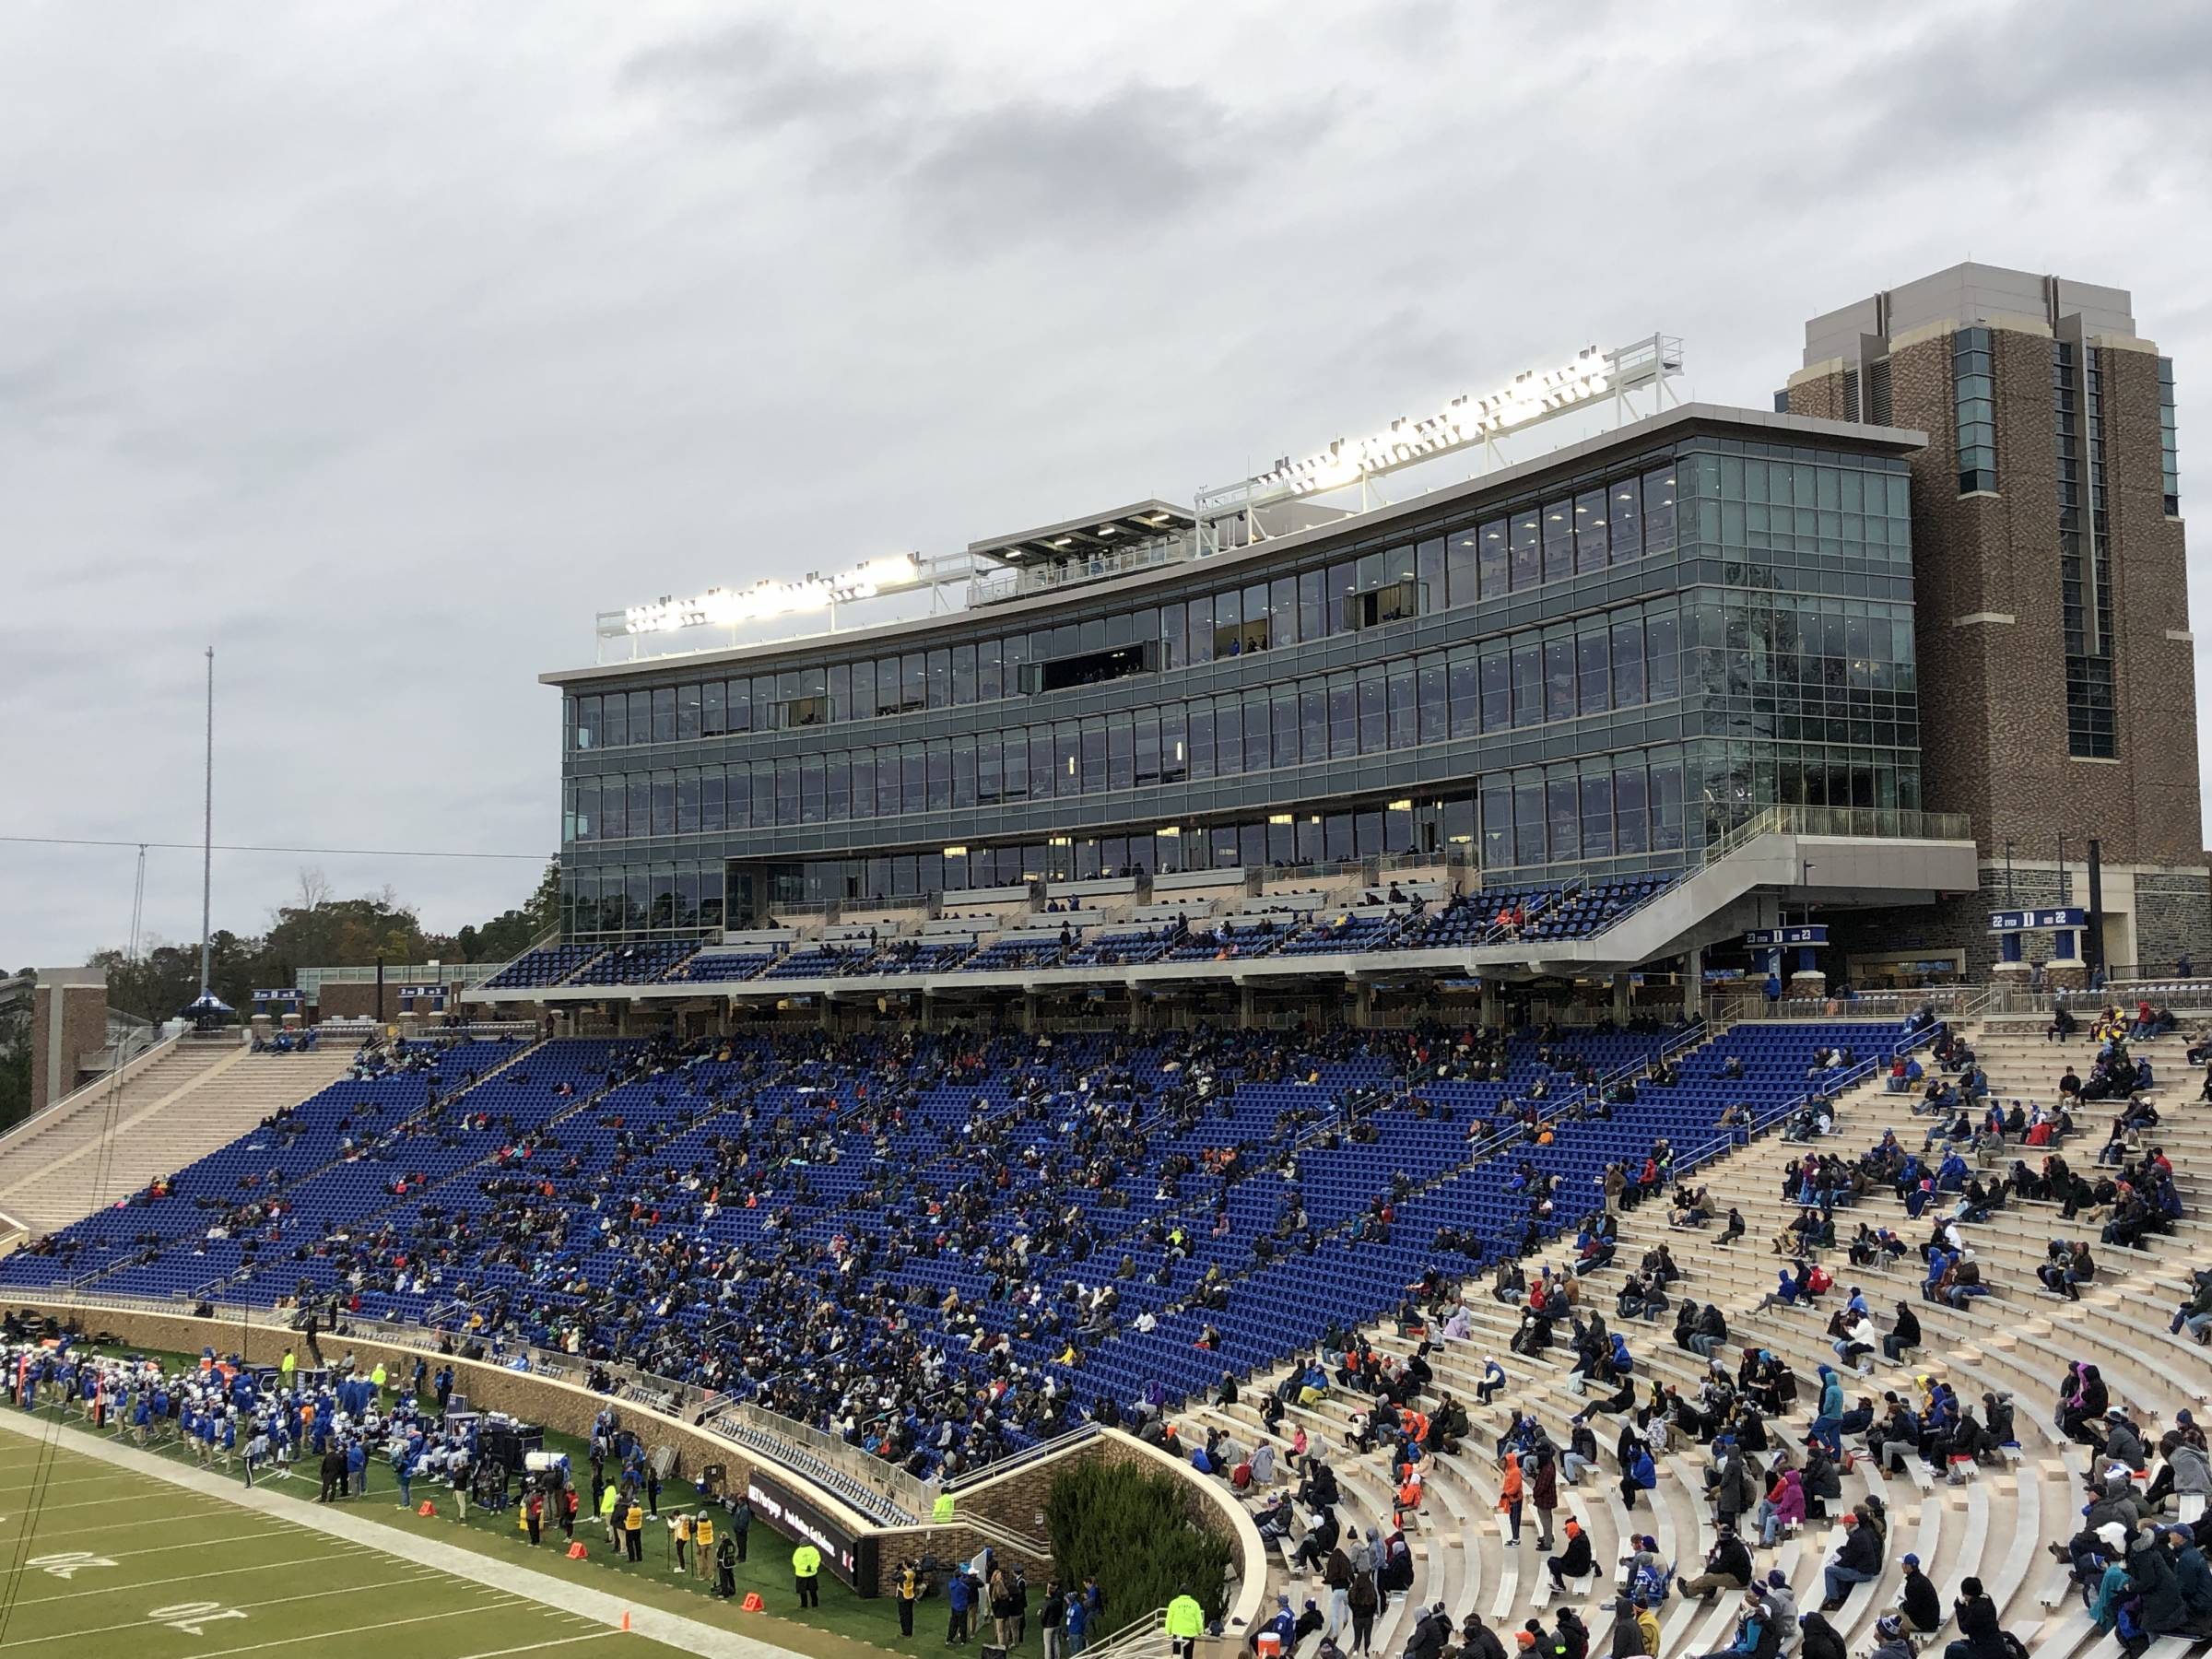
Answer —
908 1593
377 1377
805 1567
681 1528
287 1366
607 1511
703 1530
1186 1623
633 1530
941 1511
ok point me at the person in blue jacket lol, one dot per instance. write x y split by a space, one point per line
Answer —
1642 1475
959 1597
1079 1623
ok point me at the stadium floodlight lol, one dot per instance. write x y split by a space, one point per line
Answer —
1531 396
729 608
1592 379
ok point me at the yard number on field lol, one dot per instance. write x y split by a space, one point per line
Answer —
193 1618
64 1563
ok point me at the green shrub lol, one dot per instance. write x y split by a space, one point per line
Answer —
1138 1530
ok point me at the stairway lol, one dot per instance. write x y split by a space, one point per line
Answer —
108 1142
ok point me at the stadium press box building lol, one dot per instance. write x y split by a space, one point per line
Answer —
1672 678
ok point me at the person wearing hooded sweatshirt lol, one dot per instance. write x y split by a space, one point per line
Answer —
1822 1640
1641 1475
2165 1609
1980 1634
1782 1608
1575 1561
1728 1567
1511 1491
1783 1506
1827 1413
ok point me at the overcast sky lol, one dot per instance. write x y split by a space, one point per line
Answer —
381 345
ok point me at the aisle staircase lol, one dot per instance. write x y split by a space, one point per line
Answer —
111 1138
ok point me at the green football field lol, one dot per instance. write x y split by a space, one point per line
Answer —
103 1560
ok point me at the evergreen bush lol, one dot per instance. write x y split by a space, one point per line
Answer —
1138 1530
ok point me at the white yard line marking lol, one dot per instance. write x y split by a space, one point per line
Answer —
47 1533
46 1509
359 1629
183 1578
606 1608
534 1647
274 1601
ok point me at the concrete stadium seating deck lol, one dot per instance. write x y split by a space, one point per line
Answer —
2018 1341
104 1143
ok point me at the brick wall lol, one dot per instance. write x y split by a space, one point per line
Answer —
83 1013
2154 678
1821 397
1992 694
1014 1501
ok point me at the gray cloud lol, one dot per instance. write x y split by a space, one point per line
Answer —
384 357
1015 167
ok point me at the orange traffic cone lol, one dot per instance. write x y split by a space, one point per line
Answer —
752 1603
626 1619
428 1508
577 1551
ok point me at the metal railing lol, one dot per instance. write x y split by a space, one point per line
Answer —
1885 823
1021 1460
800 1445
1145 1635
1707 1151
1957 1002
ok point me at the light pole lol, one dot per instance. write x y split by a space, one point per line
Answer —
207 836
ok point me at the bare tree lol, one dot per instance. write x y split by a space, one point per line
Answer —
314 889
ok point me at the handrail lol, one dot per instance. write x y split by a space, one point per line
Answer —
1879 822
1707 1151
1023 1458
1137 1633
